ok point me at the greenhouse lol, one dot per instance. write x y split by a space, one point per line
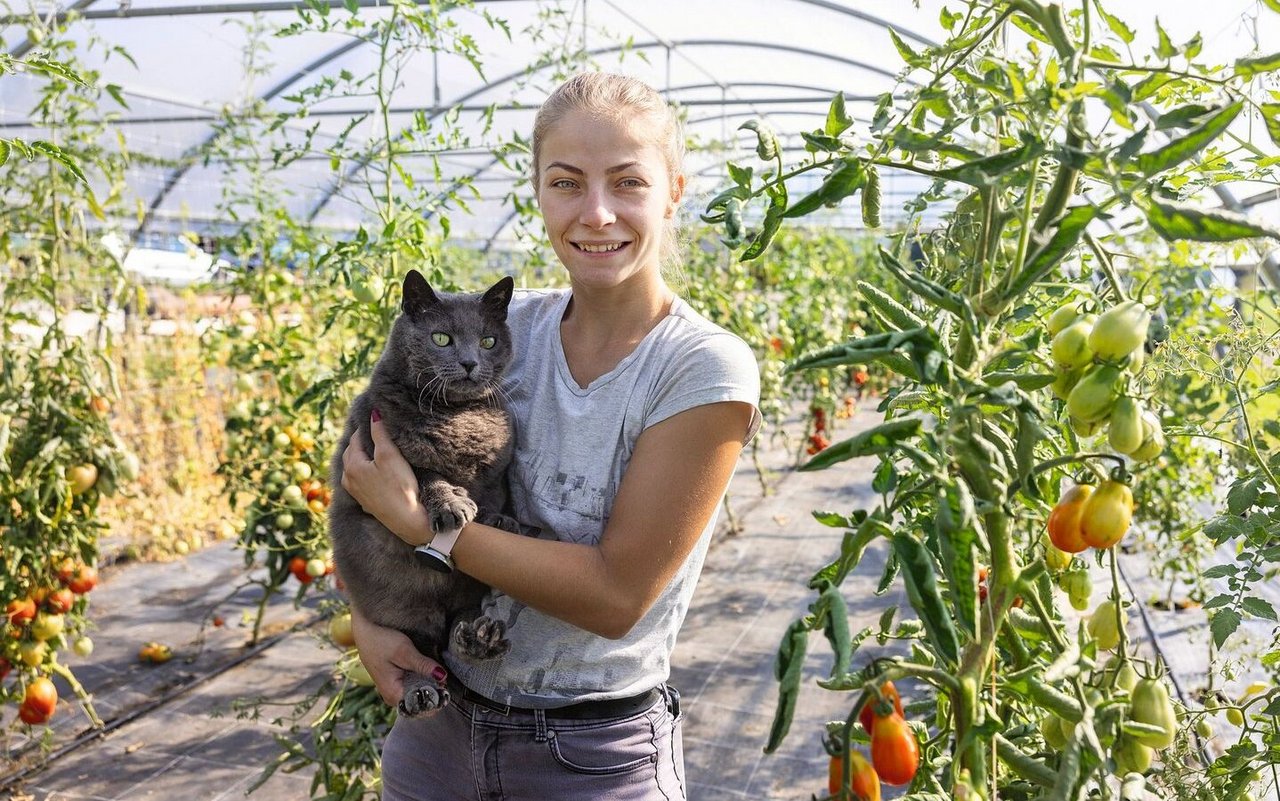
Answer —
496 399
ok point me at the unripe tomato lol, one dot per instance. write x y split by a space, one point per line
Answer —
1064 520
1052 733
1235 716
1151 705
868 714
83 647
864 782
1131 756
894 750
1085 429
315 567
284 521
1119 330
298 567
1204 728
1070 347
1133 365
1078 587
1152 438
82 477
1126 433
291 494
1063 316
1103 625
46 626
301 471
1064 382
1106 514
340 630
368 288
1123 674
281 441
1092 398
33 652
1055 558
358 674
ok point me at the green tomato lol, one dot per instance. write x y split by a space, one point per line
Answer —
1070 348
1064 382
1131 756
368 289
281 440
301 471
291 494
83 647
1119 330
1091 399
1063 316
1102 625
46 626
1152 439
1151 705
1126 433
284 521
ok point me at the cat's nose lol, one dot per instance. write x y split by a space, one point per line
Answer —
468 366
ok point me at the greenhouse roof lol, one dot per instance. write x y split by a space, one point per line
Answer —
723 61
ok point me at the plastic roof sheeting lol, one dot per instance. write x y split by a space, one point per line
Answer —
725 60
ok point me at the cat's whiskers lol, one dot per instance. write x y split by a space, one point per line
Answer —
435 386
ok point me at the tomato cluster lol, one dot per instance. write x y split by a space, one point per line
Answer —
895 752
1096 356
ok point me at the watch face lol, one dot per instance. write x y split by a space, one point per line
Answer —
430 557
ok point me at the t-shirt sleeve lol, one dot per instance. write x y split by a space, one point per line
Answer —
718 367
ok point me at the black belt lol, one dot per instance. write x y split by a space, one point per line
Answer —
583 710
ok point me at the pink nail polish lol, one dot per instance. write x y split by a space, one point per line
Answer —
439 674
376 416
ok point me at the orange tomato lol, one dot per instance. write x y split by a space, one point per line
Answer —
867 716
895 754
864 783
1065 519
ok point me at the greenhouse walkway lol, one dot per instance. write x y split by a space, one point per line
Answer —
172 731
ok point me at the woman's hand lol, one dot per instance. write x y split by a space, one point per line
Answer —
385 485
388 655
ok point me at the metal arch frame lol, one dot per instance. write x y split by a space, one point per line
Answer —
361 163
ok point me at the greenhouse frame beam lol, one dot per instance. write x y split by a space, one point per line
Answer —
336 185
221 9
1269 196
437 110
24 48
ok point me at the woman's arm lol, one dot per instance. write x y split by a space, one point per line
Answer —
677 475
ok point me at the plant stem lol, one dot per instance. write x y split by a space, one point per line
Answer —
1108 268
1120 615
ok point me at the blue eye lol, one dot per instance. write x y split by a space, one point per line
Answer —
488 342
441 338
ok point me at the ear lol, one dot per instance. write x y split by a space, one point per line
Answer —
498 297
677 192
417 293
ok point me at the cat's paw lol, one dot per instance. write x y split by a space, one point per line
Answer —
482 638
452 512
422 695
499 520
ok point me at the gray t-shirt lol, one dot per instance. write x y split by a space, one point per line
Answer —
572 447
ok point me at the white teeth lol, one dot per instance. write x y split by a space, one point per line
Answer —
600 248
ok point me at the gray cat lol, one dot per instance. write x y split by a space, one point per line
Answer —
436 387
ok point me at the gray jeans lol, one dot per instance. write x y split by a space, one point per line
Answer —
467 752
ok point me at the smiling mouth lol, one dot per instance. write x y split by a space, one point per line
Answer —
610 247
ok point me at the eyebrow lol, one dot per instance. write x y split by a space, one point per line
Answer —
572 169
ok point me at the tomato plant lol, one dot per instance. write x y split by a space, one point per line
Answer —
1032 342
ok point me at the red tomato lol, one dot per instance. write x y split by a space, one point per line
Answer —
31 716
20 611
83 580
41 697
867 716
61 601
865 783
894 750
298 567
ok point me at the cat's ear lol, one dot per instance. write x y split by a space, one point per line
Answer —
418 294
498 297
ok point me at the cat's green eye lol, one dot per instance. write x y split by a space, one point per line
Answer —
488 342
441 338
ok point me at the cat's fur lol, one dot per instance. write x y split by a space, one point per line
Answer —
441 406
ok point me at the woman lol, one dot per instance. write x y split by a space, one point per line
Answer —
631 410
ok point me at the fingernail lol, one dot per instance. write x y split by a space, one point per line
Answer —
376 416
439 674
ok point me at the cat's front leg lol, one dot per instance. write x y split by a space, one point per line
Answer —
422 694
449 507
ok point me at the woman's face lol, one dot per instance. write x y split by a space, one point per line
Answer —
606 196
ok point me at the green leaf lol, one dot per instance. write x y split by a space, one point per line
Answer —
837 520
1219 600
740 175
55 68
911 57
1165 49
981 172
1065 237
4 151
787 669
922 591
1274 5
115 92
841 182
1220 571
1225 527
1116 25
54 152
818 142
769 226
886 619
1216 225
1223 625
1243 494
1179 150
880 439
1248 67
1271 118
1182 116
851 549
838 120
1258 608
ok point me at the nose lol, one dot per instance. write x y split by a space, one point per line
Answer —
468 366
596 212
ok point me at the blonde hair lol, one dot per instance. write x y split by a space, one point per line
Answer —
617 98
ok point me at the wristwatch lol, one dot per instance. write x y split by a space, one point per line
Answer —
437 554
